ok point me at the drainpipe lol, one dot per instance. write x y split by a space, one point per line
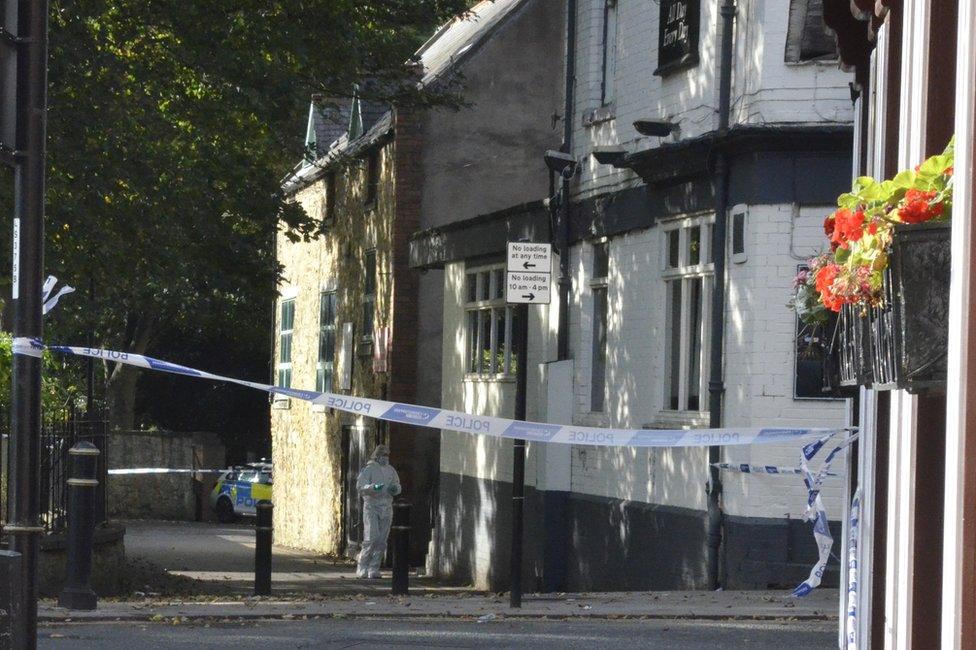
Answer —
716 386
562 339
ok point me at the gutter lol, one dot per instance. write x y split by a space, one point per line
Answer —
716 384
563 235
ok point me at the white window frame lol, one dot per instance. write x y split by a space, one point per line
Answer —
285 366
686 272
596 284
474 367
608 54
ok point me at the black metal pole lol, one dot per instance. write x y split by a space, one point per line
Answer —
25 418
78 593
563 234
521 336
716 385
401 548
262 549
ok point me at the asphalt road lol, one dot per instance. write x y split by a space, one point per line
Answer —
373 633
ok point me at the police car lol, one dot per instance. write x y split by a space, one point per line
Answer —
239 490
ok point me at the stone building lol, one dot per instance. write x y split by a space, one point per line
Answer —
628 343
353 316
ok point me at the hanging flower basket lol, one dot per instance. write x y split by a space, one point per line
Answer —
887 278
903 342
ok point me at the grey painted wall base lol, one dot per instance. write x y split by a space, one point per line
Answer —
579 542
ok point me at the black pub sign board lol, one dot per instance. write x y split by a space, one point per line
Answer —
677 45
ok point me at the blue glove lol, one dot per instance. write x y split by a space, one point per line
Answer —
377 487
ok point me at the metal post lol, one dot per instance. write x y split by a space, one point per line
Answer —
9 599
23 473
77 592
262 549
401 548
521 336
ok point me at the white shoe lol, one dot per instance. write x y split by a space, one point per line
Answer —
360 575
375 575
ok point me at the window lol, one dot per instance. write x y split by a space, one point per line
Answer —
369 293
372 176
807 36
598 287
327 340
609 61
285 332
688 277
489 323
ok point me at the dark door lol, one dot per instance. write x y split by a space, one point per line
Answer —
356 446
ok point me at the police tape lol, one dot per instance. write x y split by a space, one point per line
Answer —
437 418
130 471
744 468
853 569
816 512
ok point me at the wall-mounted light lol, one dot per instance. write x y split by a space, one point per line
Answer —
659 128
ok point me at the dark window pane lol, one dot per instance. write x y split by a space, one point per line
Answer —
674 343
598 373
601 260
695 344
673 250
472 288
485 338
369 272
498 283
472 341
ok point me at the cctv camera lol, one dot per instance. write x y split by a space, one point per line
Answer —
561 162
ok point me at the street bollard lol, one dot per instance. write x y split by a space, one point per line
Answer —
78 593
10 609
401 548
262 549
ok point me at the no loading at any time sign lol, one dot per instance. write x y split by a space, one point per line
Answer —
529 274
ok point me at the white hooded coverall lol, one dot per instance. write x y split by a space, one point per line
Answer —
377 513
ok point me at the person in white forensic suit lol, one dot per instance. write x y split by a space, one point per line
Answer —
378 483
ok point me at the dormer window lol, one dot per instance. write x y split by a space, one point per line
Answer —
372 177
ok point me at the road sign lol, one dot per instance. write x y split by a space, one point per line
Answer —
529 258
529 277
528 288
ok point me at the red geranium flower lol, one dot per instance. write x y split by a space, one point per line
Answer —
918 207
824 281
848 227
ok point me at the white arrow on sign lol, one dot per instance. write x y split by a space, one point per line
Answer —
528 288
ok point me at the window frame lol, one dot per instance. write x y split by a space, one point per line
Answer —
321 385
608 62
687 273
599 285
285 366
473 345
369 297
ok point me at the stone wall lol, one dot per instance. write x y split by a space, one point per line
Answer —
162 496
306 439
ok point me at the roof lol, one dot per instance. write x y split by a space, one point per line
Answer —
452 44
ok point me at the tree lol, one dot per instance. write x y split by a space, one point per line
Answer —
171 125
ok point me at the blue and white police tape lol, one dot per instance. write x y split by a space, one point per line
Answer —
745 468
853 570
484 425
139 471
815 511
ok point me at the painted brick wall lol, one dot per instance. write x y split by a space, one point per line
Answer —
765 89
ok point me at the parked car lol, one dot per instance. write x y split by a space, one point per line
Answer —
240 489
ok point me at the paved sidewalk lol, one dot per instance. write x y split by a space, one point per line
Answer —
821 605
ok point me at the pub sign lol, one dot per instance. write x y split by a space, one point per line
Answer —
677 45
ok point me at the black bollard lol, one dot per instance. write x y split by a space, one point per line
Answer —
11 612
401 548
78 593
262 549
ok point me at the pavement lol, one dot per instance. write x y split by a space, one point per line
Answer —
494 635
821 605
222 556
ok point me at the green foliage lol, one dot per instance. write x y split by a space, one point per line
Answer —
171 126
60 386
